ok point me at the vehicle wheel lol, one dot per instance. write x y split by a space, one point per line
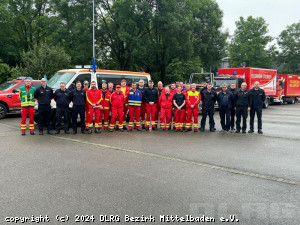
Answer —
266 104
3 111
293 101
281 101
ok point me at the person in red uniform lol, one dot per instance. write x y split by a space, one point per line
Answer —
185 91
104 111
193 99
125 90
179 103
160 89
142 88
151 97
93 97
26 96
166 104
86 106
117 101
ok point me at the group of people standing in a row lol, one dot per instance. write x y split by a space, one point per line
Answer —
177 106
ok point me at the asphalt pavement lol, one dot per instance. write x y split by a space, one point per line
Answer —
138 177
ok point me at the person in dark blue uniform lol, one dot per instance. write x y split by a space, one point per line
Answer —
258 97
44 94
242 102
78 97
62 98
225 105
233 91
208 97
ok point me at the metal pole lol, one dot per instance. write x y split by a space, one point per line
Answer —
94 29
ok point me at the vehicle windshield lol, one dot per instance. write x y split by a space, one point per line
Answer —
6 86
59 77
219 82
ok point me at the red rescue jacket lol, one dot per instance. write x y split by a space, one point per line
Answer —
93 97
105 100
193 98
117 100
164 102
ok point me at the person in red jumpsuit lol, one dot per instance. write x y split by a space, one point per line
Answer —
125 90
86 107
104 111
117 101
193 99
166 104
93 97
160 89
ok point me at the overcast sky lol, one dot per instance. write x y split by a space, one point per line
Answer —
277 13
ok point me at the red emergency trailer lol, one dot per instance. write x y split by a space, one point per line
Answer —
288 89
266 78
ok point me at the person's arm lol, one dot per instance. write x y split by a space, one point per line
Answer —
156 96
71 96
263 96
36 94
250 99
51 93
54 95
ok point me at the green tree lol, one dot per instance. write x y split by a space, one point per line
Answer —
4 72
44 60
249 45
289 43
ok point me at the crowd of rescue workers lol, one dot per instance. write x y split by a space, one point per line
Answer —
176 106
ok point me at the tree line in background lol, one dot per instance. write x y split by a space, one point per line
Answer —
168 38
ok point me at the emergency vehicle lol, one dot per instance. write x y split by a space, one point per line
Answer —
9 95
86 73
266 77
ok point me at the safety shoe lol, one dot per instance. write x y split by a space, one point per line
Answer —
97 131
83 132
138 129
244 132
180 130
188 129
129 130
143 127
110 130
57 131
237 131
195 130
201 129
89 131
260 132
67 132
23 133
116 128
154 128
75 132
147 128
50 132
32 133
175 130
122 129
212 130
250 131
41 133
222 131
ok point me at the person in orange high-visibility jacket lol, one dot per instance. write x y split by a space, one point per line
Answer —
166 104
117 101
104 111
93 97
125 91
86 106
193 99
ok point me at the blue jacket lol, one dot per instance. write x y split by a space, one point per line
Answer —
135 98
225 100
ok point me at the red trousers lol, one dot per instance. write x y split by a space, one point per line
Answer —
105 114
90 116
125 110
151 114
30 111
143 113
179 117
134 114
192 112
157 113
86 108
116 112
165 118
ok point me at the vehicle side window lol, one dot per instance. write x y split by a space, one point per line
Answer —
82 77
116 79
36 85
19 86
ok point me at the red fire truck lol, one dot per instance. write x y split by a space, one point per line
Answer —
266 78
288 89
